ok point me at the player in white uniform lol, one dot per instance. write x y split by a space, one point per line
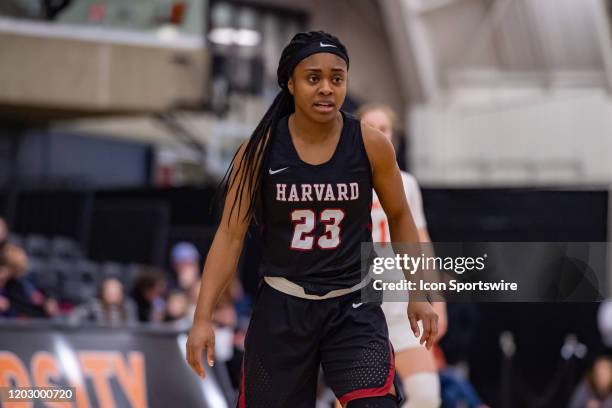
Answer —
414 363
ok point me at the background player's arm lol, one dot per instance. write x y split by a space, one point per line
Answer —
415 202
423 235
387 182
219 268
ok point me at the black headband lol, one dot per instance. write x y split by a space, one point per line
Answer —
314 48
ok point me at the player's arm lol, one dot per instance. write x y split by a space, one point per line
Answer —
387 182
219 268
415 201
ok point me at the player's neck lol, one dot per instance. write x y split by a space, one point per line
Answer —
313 132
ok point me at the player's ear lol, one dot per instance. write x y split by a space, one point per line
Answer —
290 85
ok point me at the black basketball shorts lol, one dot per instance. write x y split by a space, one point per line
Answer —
289 338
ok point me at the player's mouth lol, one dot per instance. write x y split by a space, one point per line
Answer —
324 107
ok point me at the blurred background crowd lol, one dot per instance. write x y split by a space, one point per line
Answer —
118 118
50 279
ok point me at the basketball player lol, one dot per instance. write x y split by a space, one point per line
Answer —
415 364
306 175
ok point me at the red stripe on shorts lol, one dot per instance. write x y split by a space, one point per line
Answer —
373 392
241 400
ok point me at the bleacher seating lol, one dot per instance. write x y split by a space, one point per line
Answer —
58 267
37 246
63 247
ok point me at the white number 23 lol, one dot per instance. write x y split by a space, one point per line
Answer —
304 222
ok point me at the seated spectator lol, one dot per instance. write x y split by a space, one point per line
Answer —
242 302
595 391
185 262
148 293
604 321
455 389
177 307
5 276
3 233
225 313
110 307
229 336
193 295
19 298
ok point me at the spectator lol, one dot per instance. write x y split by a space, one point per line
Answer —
110 307
225 314
595 391
185 260
148 293
455 388
18 296
177 307
242 303
3 233
194 293
5 276
604 320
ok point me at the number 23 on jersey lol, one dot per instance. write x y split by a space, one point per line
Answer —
304 222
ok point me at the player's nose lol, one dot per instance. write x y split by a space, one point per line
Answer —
326 88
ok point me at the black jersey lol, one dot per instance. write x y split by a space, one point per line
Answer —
317 216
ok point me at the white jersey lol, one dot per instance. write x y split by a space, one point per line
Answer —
380 226
400 334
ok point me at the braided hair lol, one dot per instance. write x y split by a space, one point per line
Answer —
250 169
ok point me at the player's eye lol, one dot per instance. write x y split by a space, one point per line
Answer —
338 80
313 78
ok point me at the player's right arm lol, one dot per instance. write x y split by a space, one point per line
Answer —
219 268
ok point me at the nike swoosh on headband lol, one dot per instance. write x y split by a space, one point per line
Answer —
326 45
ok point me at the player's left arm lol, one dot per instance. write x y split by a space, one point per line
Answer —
387 182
